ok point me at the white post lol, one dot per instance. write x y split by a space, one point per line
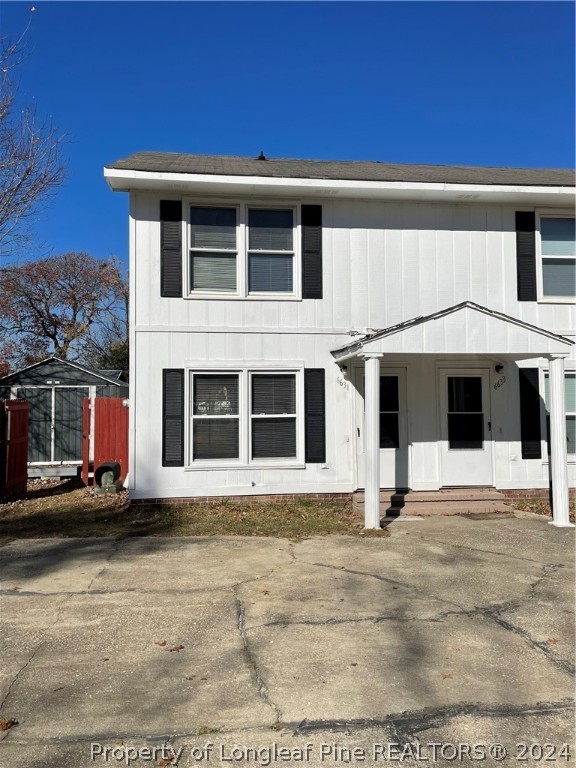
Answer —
558 458
372 435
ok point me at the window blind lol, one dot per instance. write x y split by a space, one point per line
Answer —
213 271
273 394
270 272
270 230
273 438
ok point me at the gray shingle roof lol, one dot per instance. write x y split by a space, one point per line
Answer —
172 162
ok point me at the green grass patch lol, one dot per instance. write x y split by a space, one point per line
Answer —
64 509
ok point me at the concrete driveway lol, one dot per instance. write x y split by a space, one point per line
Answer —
452 632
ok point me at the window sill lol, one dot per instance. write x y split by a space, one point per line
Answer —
248 297
570 460
273 465
557 300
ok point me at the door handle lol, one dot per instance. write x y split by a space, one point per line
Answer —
358 430
489 426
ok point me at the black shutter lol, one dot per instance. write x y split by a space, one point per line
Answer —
171 248
173 417
311 251
530 413
526 255
315 415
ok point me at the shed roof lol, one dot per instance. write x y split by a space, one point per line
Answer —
50 362
354 170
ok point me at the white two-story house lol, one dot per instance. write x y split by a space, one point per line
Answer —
311 327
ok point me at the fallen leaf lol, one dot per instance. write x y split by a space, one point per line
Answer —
161 643
354 664
7 723
106 659
177 648
166 761
552 640
59 689
14 589
447 676
265 592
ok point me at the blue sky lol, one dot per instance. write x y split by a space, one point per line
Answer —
475 83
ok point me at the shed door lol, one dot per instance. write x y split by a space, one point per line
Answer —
39 422
55 419
68 423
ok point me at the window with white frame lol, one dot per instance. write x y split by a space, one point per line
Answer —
273 415
570 407
242 250
557 256
244 417
270 251
215 416
213 249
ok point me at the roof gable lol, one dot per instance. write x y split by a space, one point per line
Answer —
465 328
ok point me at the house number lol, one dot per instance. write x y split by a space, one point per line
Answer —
500 382
342 382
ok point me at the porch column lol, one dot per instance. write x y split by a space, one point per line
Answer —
372 437
558 457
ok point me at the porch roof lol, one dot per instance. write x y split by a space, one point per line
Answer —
464 329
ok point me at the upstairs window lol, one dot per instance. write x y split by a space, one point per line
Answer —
270 251
242 250
213 249
558 256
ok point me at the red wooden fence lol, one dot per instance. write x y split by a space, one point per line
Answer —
104 435
13 447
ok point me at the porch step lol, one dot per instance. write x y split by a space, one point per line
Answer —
447 501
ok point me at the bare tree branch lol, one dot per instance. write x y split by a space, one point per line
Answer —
31 165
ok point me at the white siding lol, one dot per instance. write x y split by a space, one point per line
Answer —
383 263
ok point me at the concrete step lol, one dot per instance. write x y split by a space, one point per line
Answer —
447 501
446 508
444 494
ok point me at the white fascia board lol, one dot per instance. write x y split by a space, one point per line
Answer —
125 180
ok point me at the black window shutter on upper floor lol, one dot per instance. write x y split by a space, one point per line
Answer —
173 417
526 255
314 416
171 248
311 251
530 413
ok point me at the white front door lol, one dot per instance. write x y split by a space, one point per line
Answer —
393 429
466 431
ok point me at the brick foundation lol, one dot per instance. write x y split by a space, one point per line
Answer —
526 494
335 498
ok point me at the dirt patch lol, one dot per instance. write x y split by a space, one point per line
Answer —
67 509
540 507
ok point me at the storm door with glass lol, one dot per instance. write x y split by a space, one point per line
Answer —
466 428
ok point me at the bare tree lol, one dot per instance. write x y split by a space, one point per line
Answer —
106 345
31 166
56 305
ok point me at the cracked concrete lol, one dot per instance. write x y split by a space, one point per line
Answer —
457 631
